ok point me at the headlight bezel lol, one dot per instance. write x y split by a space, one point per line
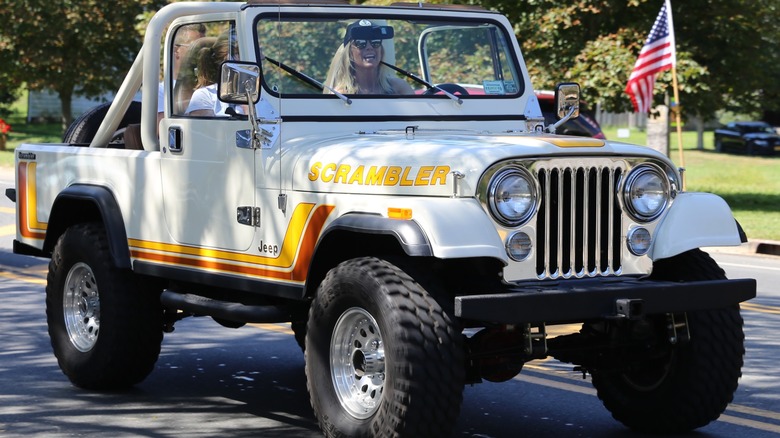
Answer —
500 177
634 177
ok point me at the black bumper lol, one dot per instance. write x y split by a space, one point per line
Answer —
587 299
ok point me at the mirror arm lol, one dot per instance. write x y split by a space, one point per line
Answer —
551 128
259 135
252 115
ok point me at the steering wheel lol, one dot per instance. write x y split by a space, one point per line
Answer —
451 88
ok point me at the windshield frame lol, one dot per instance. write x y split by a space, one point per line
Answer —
500 34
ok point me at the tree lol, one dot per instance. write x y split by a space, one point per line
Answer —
70 46
727 50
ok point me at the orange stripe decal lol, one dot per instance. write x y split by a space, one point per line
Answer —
29 226
285 258
301 237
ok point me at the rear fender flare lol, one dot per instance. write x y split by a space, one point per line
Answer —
87 203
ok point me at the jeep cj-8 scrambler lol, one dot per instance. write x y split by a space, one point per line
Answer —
420 232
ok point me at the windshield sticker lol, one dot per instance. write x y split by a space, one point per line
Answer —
511 87
493 87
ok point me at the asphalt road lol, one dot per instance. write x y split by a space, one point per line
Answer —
213 381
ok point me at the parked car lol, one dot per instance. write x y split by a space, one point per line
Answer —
752 138
584 126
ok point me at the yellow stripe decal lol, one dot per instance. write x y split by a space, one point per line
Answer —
570 141
29 225
285 258
300 239
575 142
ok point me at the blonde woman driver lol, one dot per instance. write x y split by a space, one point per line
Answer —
356 67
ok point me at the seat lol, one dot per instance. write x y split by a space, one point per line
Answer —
132 137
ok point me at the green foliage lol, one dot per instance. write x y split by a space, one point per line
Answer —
69 46
728 50
296 45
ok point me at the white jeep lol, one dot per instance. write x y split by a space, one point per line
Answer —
416 241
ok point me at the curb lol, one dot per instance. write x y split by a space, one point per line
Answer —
767 247
752 247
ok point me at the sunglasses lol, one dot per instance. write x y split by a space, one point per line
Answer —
361 44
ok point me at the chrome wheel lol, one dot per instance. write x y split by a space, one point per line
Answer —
81 306
357 363
383 359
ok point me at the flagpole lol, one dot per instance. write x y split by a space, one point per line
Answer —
677 106
677 110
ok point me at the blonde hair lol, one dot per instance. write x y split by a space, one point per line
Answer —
341 74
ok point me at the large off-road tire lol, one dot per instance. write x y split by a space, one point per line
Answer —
299 330
692 385
105 323
84 128
382 356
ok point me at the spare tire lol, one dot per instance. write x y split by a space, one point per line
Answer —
84 128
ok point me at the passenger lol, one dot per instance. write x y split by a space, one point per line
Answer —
185 37
204 101
187 79
356 67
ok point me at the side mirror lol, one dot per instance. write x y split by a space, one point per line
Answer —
567 96
237 80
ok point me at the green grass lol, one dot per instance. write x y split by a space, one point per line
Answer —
750 185
23 132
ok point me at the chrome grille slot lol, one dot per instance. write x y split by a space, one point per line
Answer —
578 230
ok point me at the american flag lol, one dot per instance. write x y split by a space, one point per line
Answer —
657 55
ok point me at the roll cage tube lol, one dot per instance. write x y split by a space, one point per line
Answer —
145 73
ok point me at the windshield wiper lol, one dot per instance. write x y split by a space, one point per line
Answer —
308 79
424 82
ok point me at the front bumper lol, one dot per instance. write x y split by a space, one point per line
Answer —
597 298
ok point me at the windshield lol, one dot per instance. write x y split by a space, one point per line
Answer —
370 56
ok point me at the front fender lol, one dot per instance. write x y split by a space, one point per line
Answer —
458 228
695 220
445 228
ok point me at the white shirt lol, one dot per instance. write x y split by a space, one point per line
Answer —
205 98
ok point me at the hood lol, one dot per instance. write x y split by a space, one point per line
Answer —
425 164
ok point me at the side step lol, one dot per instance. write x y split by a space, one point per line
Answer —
238 312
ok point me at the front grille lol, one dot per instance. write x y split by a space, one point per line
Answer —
579 222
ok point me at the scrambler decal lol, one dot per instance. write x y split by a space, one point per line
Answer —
290 263
379 175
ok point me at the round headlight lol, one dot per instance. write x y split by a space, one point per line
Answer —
512 196
646 193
